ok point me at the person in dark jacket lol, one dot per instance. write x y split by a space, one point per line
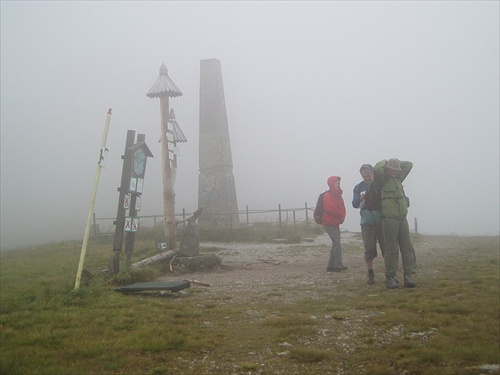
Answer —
371 225
391 173
333 215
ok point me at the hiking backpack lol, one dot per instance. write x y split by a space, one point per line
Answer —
372 197
318 210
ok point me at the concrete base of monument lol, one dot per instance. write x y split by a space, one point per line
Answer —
197 263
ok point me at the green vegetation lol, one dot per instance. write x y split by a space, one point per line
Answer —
449 324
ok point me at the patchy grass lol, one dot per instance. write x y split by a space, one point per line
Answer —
449 324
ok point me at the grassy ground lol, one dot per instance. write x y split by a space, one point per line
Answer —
449 324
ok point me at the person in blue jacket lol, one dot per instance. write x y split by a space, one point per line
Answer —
371 224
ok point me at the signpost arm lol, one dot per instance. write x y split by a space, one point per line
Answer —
92 200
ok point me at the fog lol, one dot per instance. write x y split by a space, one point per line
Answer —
312 89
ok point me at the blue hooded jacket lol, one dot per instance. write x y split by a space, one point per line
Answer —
367 217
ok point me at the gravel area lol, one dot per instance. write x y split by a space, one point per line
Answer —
264 267
255 275
257 268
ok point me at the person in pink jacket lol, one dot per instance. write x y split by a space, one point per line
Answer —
334 215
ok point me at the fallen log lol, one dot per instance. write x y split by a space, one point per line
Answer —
170 253
156 258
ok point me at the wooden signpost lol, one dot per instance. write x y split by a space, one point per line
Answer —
129 201
164 88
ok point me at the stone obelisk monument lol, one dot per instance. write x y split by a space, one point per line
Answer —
216 188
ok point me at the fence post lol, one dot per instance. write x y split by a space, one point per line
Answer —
294 223
248 221
416 226
307 214
279 216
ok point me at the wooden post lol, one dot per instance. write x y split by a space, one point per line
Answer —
307 214
168 177
164 88
130 236
416 226
120 215
94 226
279 215
92 199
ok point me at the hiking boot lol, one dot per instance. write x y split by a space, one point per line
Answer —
409 282
391 283
371 277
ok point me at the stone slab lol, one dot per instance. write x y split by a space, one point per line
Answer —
173 286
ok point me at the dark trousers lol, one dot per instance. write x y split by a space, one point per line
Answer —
335 260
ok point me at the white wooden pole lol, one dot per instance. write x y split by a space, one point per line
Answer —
92 199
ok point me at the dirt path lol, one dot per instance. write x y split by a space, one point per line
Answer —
258 268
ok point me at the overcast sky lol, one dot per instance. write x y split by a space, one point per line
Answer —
312 89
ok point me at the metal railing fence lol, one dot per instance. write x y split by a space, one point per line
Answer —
247 218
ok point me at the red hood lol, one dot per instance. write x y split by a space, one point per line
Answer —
331 184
